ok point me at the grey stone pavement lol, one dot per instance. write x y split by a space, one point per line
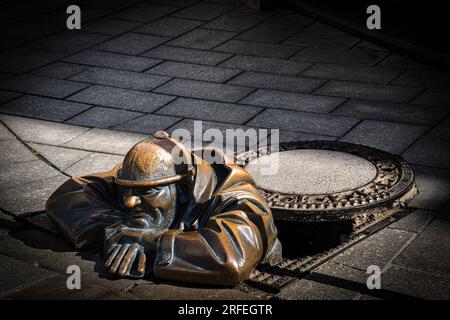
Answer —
73 102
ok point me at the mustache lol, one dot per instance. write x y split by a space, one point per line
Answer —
146 216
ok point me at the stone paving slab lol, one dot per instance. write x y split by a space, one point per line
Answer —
434 98
292 101
96 162
122 98
112 60
356 56
121 78
387 136
187 55
109 27
434 188
305 122
430 251
8 95
132 43
203 11
148 124
194 71
202 39
46 132
103 140
434 153
277 82
368 91
144 12
25 59
395 112
261 64
414 222
258 49
210 110
54 88
378 249
14 175
43 108
441 131
21 275
14 151
270 32
352 73
234 21
204 90
100 117
169 27
427 79
60 70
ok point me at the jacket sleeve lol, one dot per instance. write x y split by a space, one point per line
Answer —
224 251
74 204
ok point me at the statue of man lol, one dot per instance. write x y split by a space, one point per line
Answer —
165 210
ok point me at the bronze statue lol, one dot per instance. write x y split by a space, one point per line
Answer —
186 220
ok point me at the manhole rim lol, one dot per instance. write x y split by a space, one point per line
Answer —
388 166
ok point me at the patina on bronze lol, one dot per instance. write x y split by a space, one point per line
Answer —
187 220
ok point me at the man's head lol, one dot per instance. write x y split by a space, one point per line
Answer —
148 179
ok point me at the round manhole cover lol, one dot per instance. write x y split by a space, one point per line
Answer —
329 181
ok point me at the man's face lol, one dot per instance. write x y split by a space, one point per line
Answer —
152 207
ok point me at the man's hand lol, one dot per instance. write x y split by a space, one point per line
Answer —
127 259
127 249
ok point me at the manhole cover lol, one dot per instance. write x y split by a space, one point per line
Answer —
330 181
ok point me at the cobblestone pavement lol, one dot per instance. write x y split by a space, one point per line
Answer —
73 102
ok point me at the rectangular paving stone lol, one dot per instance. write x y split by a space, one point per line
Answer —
385 111
414 221
209 110
415 283
433 153
290 136
5 134
121 78
99 117
328 282
60 70
269 65
132 43
351 73
421 78
62 158
400 61
169 27
387 136
187 55
234 21
290 17
55 88
354 56
30 29
321 35
20 275
144 12
292 101
17 174
68 41
433 97
43 108
368 91
8 95
95 162
379 249
276 82
258 49
194 71
269 32
20 60
202 39
441 131
430 251
14 151
40 131
4 75
204 90
30 197
304 122
203 11
122 98
148 124
434 188
108 26
103 140
112 60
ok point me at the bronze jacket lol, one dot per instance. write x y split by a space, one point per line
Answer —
225 234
